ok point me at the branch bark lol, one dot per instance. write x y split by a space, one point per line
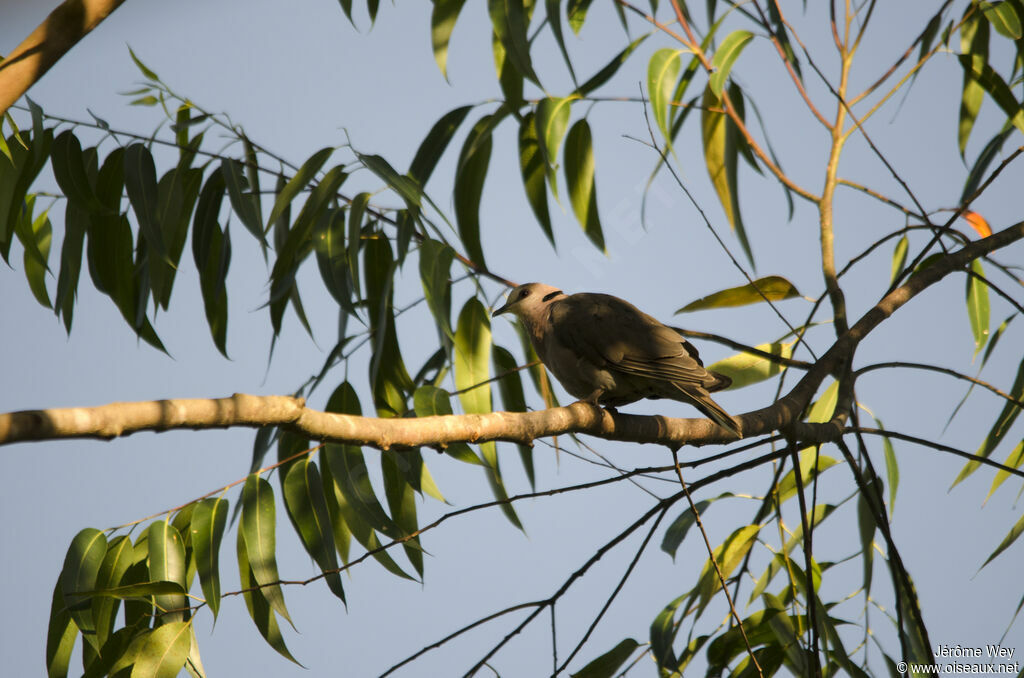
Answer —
51 40
118 419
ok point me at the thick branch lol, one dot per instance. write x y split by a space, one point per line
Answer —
53 38
117 419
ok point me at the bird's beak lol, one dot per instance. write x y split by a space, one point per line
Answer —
503 309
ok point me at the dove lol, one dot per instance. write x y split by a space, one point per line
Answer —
606 351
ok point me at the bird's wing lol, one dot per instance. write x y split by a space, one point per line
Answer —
613 333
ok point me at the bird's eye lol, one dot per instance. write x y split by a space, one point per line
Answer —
524 294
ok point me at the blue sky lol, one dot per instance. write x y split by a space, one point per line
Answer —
298 80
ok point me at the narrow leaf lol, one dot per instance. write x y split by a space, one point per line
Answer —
298 182
608 664
579 175
470 173
167 563
720 153
978 306
257 529
662 73
748 368
440 135
304 498
442 22
725 57
533 169
208 521
770 288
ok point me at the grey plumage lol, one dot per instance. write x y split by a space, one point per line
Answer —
606 351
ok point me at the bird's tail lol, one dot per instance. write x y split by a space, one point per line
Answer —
703 402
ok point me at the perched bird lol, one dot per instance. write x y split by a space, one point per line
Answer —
606 351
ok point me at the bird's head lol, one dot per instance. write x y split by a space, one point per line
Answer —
528 300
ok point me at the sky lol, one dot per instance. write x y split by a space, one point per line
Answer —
301 80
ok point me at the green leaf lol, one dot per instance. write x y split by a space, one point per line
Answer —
771 288
995 86
1010 537
68 165
676 532
977 306
974 39
442 22
472 358
551 121
140 590
787 487
662 73
720 153
892 468
257 529
440 135
243 202
332 257
401 184
1003 18
61 632
176 197
899 258
355 222
747 368
256 602
304 498
728 555
167 563
140 183
208 521
610 69
76 224
533 169
119 557
610 662
297 183
431 401
725 57
999 429
399 469
663 633
348 468
469 185
146 72
510 21
164 652
1014 460
555 22
37 234
576 11
579 176
211 250
511 388
78 576
435 268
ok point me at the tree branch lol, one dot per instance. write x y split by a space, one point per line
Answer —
51 40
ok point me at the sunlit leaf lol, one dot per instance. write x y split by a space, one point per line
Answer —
431 401
1003 17
1000 427
725 57
899 258
435 268
304 497
256 602
208 521
442 22
534 172
978 306
975 65
1014 460
770 288
747 368
551 121
511 388
1008 540
662 73
81 567
720 153
167 563
510 20
257 528
60 635
579 175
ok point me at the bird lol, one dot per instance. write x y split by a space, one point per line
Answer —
606 351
